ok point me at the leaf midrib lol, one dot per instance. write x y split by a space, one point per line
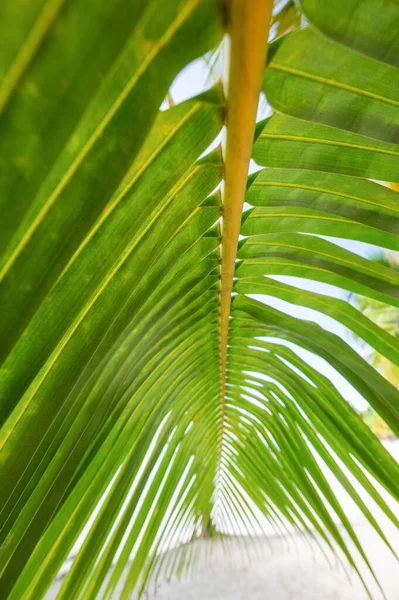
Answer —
332 83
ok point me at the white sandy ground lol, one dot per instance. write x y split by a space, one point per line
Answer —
276 573
276 570
286 568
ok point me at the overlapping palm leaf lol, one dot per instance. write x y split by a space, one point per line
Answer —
110 383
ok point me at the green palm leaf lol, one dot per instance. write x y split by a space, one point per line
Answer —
146 398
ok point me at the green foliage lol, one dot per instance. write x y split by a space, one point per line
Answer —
386 317
109 294
376 424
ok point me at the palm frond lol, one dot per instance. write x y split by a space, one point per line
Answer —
150 395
